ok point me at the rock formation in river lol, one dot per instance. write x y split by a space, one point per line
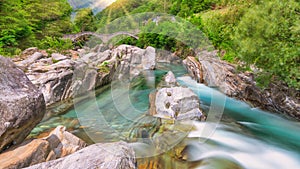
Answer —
62 77
210 70
134 60
174 102
22 105
59 143
105 156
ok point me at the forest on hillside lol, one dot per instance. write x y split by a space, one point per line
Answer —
264 34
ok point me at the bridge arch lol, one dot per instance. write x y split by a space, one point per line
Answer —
104 37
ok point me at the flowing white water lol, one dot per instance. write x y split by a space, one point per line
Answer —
255 139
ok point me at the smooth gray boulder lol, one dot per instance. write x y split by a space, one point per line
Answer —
177 103
148 59
117 155
22 105
171 101
134 60
61 77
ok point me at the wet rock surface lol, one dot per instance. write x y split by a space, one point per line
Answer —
22 105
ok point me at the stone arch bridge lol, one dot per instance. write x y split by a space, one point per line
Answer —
104 37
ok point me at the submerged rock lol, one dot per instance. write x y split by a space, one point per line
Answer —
59 143
210 70
117 155
22 105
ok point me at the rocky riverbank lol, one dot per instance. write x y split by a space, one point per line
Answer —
61 78
54 75
207 68
59 143
23 107
55 78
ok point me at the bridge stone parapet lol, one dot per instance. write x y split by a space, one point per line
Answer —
104 37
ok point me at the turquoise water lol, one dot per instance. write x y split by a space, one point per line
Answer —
254 138
234 132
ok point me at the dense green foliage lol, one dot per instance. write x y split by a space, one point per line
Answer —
54 44
264 34
85 20
27 23
268 36
23 23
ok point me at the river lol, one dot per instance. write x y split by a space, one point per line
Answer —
236 136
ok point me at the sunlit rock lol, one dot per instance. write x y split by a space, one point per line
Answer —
117 155
59 143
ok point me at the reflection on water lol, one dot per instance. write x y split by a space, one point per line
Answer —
244 138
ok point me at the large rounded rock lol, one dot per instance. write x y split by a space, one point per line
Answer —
59 143
117 155
177 103
171 101
22 106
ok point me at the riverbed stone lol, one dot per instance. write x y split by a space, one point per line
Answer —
59 143
169 80
30 60
58 57
148 59
172 101
61 77
178 103
117 155
22 105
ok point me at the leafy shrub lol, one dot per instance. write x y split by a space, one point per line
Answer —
266 36
55 44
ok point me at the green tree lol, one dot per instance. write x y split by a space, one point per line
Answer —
268 36
13 25
85 20
23 23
